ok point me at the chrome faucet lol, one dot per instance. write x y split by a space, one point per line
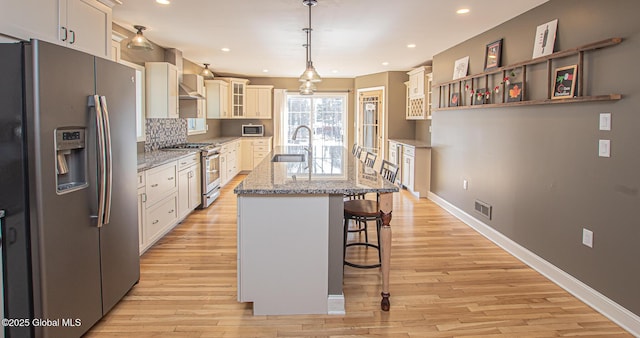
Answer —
310 148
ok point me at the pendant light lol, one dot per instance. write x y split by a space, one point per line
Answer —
307 88
310 73
139 41
206 73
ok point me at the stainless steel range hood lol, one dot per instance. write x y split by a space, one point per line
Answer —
185 90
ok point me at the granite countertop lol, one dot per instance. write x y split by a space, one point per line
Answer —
414 143
336 172
151 159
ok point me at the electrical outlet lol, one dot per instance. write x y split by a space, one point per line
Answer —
604 148
465 184
587 237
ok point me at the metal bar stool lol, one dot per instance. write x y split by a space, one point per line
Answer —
362 211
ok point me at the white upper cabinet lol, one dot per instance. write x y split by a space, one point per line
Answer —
84 25
161 90
237 96
258 102
217 93
419 94
26 19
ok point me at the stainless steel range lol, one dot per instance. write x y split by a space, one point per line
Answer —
210 169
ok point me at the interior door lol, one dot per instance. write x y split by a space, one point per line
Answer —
369 121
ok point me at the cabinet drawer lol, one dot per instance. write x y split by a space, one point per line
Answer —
260 142
141 180
260 149
160 181
188 161
159 217
224 148
409 151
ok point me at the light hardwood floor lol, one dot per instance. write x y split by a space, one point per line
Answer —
446 281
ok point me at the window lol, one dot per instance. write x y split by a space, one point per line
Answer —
196 126
326 115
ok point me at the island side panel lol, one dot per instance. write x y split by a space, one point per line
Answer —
283 253
336 267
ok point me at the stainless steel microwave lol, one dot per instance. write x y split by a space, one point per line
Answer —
253 130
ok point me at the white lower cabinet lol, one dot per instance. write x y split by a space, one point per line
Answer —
166 195
254 150
416 170
188 186
160 218
230 155
142 202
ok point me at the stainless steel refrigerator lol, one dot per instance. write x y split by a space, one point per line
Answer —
67 189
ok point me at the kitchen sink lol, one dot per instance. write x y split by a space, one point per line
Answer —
288 158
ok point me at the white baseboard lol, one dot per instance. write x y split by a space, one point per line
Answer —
607 307
335 304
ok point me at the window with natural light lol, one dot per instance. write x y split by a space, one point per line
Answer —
326 115
196 126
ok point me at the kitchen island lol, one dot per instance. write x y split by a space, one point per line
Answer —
290 223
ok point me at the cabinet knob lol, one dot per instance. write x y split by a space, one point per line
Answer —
73 37
170 178
154 185
171 211
155 222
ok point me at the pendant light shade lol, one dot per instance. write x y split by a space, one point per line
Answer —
206 72
139 41
307 88
310 75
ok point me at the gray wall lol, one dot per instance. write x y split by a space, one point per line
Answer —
538 165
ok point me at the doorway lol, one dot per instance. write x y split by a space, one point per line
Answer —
369 125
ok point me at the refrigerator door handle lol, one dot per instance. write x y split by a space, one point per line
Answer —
109 160
94 102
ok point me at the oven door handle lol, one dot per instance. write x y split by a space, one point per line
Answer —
212 171
212 156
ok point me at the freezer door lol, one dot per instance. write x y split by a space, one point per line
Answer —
66 268
15 241
119 253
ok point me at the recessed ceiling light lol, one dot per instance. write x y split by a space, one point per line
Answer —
463 11
385 63
411 45
265 70
163 2
335 71
225 49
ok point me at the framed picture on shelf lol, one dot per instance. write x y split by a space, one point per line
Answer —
564 82
480 96
461 68
455 100
514 92
545 39
492 55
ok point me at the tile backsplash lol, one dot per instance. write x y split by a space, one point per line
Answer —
164 132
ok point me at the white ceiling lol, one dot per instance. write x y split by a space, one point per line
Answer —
350 37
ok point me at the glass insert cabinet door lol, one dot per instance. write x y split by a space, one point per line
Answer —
369 117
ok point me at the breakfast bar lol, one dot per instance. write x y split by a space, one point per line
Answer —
290 221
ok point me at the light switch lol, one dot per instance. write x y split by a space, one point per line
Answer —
605 121
587 237
604 148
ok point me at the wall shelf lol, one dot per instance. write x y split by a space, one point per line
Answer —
445 88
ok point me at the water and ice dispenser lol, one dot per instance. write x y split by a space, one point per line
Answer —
71 160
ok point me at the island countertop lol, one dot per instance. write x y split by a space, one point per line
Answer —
336 171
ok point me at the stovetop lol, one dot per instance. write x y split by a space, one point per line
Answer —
208 147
